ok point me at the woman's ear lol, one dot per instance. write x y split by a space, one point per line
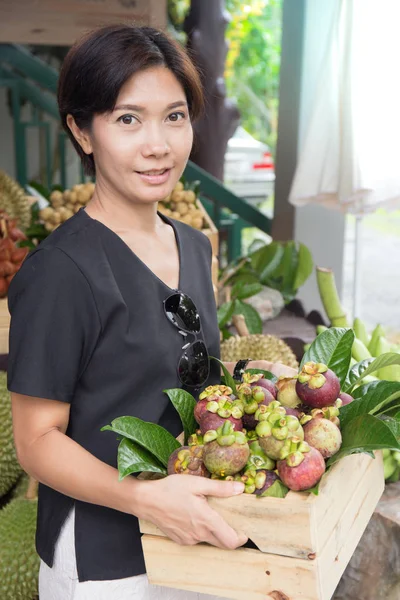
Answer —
82 137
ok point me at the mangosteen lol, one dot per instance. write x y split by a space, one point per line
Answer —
287 394
263 480
302 467
226 451
345 398
275 427
323 435
187 460
317 386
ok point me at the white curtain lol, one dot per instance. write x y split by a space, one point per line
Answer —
350 158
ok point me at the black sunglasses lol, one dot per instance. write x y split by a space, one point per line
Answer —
194 364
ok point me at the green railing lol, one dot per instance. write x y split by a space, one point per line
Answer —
32 81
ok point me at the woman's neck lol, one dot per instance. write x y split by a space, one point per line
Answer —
120 215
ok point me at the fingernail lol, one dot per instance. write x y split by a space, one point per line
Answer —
238 487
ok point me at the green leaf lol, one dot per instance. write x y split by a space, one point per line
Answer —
243 276
132 458
305 266
226 334
314 490
372 401
333 348
364 434
289 267
242 290
356 372
267 374
225 313
393 425
384 360
184 404
228 377
154 438
251 316
276 490
363 389
266 260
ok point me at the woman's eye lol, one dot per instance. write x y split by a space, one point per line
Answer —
176 116
127 119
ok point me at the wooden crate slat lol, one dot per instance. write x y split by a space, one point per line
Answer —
344 539
331 502
240 574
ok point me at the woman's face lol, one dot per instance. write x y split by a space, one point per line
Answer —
141 148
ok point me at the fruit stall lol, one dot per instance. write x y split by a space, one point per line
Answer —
312 449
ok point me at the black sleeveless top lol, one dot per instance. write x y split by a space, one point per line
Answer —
88 328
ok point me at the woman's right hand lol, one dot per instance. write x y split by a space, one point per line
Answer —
178 506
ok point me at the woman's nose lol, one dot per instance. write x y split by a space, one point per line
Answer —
158 149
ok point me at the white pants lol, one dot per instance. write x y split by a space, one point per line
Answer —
61 581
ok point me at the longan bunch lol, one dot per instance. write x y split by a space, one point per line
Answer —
181 205
65 204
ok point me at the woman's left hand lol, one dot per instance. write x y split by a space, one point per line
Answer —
276 369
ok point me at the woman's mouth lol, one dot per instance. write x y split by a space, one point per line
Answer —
155 176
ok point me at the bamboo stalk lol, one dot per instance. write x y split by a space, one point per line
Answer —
330 297
240 324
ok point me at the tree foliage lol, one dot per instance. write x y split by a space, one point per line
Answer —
253 60
253 63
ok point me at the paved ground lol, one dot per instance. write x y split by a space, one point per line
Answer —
380 270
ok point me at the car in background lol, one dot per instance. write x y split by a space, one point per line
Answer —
249 170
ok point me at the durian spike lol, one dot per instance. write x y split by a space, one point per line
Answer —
240 324
32 491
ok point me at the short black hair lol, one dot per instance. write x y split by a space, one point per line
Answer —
98 65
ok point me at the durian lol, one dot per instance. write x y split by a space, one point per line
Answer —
14 201
19 562
258 347
10 469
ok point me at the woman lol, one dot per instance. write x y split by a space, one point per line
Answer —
92 336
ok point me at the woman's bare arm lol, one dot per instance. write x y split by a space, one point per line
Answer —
176 504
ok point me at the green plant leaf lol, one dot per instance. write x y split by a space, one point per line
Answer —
364 388
289 267
365 433
132 458
242 290
355 373
393 425
333 348
372 401
266 260
276 490
154 438
314 490
305 266
243 275
228 377
184 404
267 374
225 313
251 316
384 360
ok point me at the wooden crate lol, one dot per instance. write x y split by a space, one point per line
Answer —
4 326
305 541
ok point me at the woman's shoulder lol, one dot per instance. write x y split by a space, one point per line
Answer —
190 235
